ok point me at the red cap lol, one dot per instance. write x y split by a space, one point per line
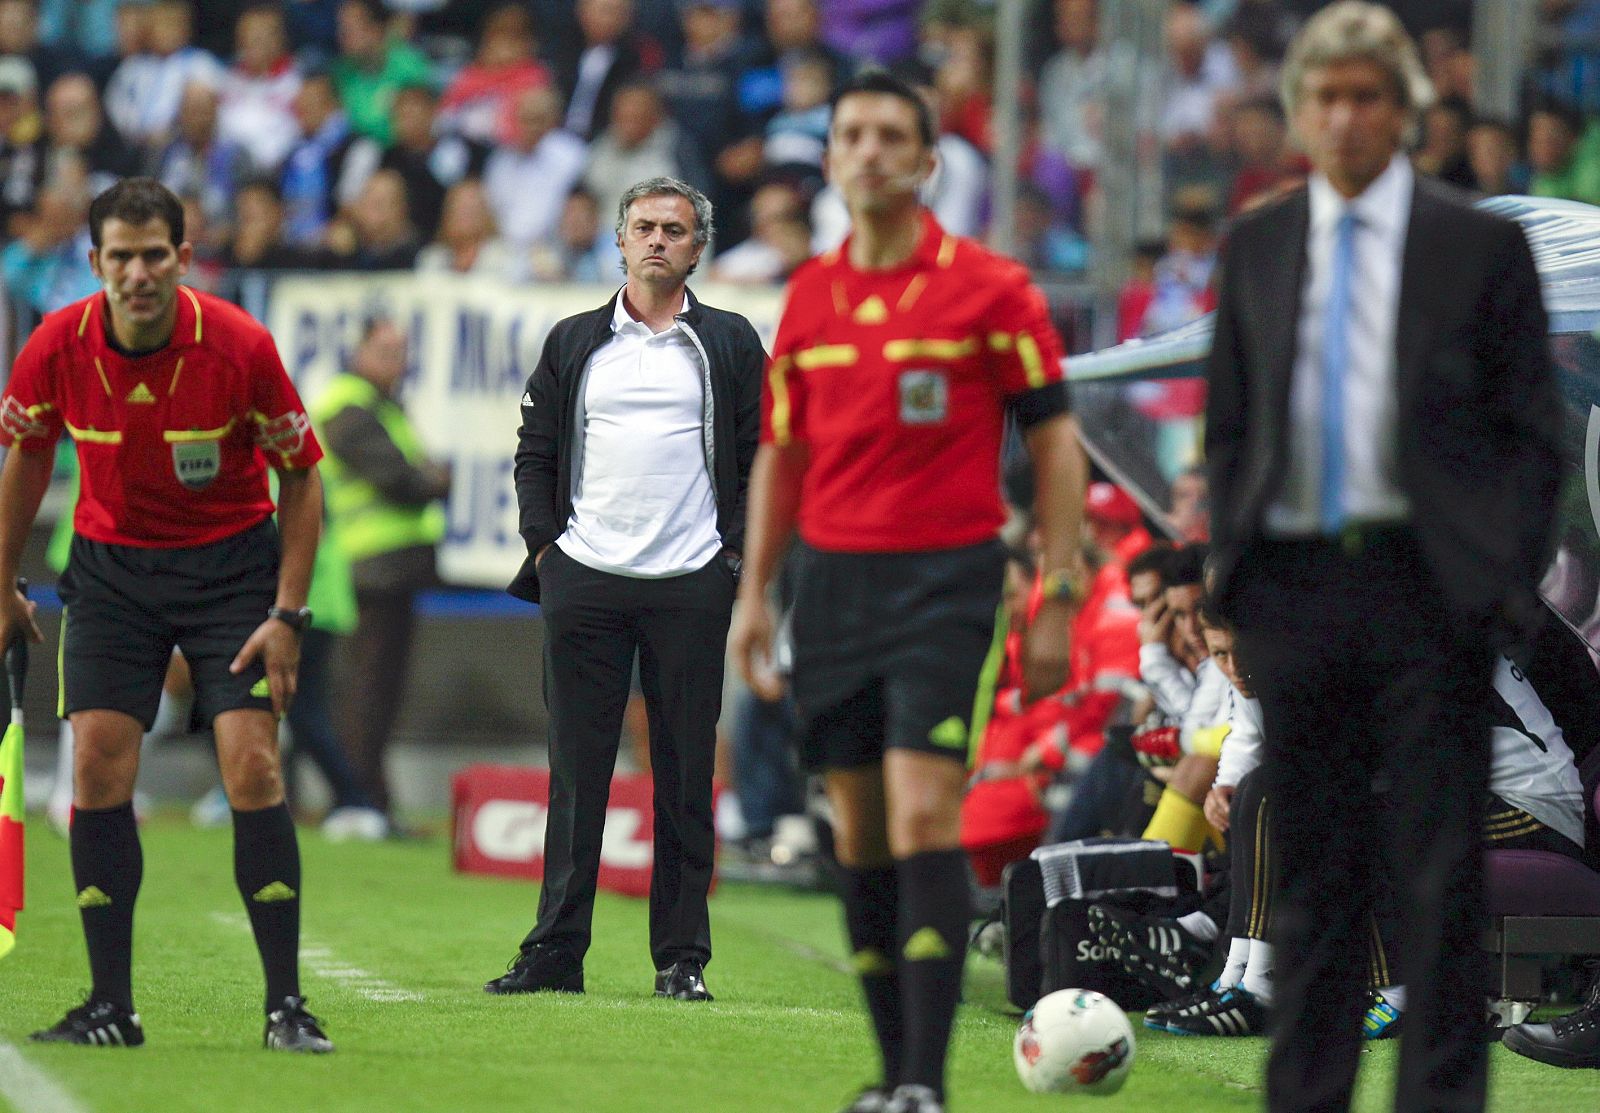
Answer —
1106 502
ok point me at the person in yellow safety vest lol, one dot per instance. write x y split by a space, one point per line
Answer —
384 514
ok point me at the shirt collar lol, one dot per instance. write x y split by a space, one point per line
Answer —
622 319
1384 206
935 247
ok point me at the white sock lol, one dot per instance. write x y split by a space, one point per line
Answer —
1257 980
1199 925
62 790
1395 995
1233 969
172 716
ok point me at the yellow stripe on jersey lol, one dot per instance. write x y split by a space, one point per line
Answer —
930 349
780 400
826 355
913 291
105 382
176 371
188 436
1032 361
95 436
194 301
1001 341
947 251
83 322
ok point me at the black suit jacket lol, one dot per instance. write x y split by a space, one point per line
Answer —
1479 417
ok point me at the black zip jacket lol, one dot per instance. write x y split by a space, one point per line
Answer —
731 361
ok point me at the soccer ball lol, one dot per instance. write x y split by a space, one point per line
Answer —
1074 1041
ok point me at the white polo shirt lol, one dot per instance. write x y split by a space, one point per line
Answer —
643 504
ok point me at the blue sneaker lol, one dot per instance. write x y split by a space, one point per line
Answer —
1382 1021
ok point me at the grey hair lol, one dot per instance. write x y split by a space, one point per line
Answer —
1354 30
704 226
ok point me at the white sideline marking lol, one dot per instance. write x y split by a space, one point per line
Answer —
320 960
31 1090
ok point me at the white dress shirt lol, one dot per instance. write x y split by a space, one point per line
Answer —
528 189
1371 401
643 505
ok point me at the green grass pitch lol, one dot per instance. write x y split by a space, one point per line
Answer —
397 947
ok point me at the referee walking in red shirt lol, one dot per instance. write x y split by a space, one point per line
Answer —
897 359
178 403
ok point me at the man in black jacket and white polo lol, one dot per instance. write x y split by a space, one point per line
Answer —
638 430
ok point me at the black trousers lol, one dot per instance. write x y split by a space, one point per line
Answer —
380 661
1376 714
594 623
1252 859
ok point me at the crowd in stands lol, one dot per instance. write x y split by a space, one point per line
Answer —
495 138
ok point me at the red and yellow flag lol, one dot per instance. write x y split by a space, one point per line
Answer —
11 861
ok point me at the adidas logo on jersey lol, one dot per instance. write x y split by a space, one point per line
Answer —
141 393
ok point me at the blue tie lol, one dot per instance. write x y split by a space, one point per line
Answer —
1335 360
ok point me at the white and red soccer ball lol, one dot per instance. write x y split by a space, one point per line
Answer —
1074 1041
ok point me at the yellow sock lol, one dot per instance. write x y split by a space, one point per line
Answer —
1178 821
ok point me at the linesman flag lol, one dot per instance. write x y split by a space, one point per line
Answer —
11 858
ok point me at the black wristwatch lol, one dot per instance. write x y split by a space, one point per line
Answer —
294 620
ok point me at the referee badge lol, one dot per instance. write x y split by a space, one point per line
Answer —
196 463
924 397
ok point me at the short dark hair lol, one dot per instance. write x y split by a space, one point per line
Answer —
136 201
1188 565
882 81
1213 617
262 185
1154 559
375 10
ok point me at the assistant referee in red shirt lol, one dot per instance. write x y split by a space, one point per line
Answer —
177 403
897 359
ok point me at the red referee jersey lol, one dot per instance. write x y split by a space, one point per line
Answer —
897 381
173 445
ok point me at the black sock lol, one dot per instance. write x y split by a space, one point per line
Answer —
107 866
935 910
266 865
870 907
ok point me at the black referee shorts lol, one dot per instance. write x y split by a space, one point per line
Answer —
895 651
126 607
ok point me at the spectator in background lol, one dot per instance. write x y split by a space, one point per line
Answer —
256 109
881 31
1134 300
480 103
1443 151
702 91
200 164
74 124
384 515
143 95
258 234
1563 154
19 36
964 86
47 265
778 243
1182 280
641 142
1189 508
1261 143
21 147
87 27
1492 157
1045 241
583 249
468 242
379 235
528 179
1449 63
798 134
592 67
1198 85
430 162
793 28
315 164
1254 50
372 67
1072 86
313 27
